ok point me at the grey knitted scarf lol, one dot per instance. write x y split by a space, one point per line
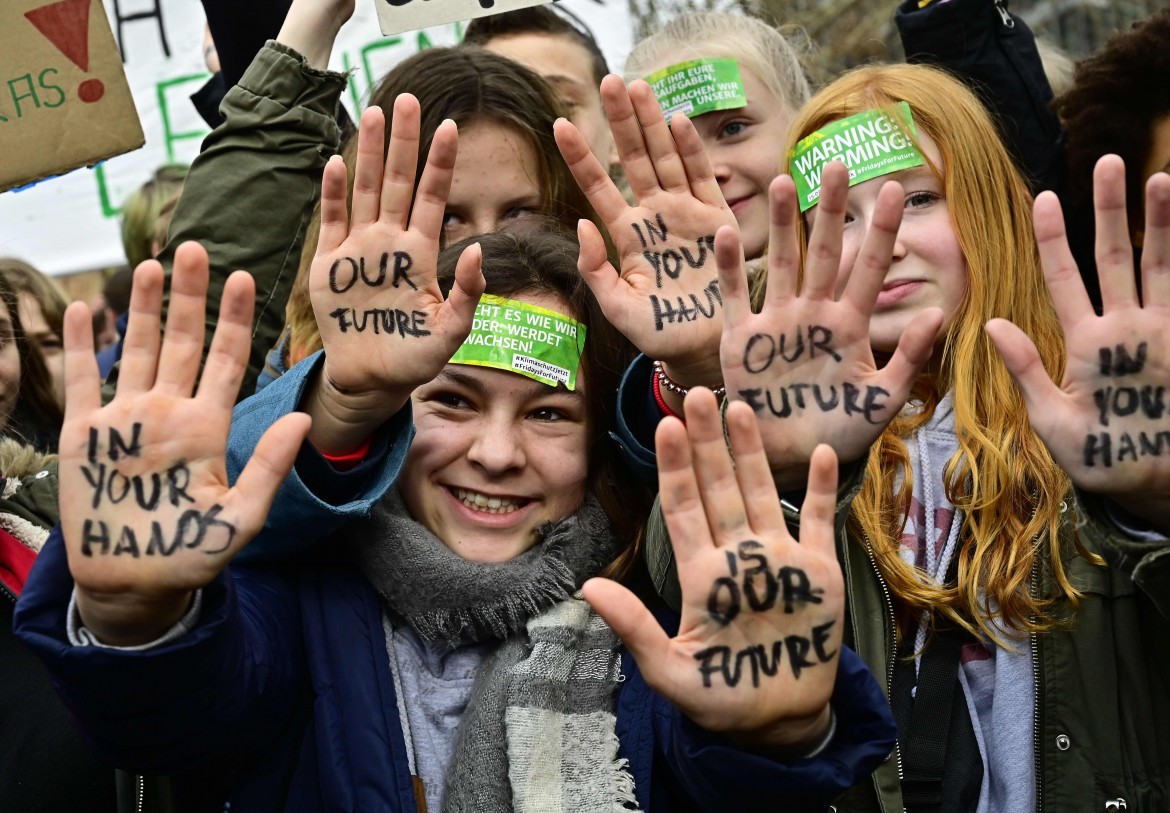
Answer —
539 731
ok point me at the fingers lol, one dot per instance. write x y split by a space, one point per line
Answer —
818 512
824 246
696 162
182 346
256 487
678 492
334 214
733 286
430 203
82 380
627 137
1060 269
139 362
367 172
1156 243
873 260
628 617
599 274
1023 361
1114 251
468 288
668 165
915 347
227 359
752 470
587 171
783 242
722 499
397 181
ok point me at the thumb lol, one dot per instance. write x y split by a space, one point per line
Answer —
1022 360
255 489
468 288
628 617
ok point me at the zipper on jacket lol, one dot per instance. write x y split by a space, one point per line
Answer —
1033 586
1008 22
892 645
139 792
4 591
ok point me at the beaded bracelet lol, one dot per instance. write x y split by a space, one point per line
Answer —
663 380
663 407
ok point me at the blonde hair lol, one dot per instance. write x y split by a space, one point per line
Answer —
1002 478
767 53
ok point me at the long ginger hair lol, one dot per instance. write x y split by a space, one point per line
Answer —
1002 478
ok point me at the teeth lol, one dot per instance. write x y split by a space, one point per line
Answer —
482 502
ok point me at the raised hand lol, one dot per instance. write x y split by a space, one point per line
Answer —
804 363
384 323
146 510
1106 423
756 650
666 300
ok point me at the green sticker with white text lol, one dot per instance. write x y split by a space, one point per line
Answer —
870 144
535 342
698 86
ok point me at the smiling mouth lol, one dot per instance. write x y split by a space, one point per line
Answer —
488 504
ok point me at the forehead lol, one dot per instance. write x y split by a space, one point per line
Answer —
494 161
552 56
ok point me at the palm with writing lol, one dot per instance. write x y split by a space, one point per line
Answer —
384 323
1106 423
146 510
756 651
804 362
666 300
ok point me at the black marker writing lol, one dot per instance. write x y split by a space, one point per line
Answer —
388 321
672 261
757 586
1099 447
675 310
792 399
656 232
1116 361
345 272
761 349
194 529
1124 401
764 661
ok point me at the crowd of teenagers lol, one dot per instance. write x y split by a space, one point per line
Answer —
687 440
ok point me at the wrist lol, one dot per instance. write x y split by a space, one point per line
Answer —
793 738
688 375
311 28
127 619
344 419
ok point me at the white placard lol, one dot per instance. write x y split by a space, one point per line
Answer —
71 223
396 16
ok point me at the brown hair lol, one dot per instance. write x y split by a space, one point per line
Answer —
1003 478
25 279
36 417
463 84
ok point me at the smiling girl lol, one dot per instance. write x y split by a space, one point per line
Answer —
1005 559
435 654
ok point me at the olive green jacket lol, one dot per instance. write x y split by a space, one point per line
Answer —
250 194
1102 712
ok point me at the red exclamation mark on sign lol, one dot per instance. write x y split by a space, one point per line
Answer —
66 25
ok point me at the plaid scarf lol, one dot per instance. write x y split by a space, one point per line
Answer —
539 732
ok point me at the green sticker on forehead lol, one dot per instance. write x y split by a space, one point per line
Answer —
535 342
870 144
698 87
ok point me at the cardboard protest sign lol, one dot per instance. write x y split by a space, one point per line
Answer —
396 16
64 100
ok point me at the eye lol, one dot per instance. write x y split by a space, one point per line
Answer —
548 414
449 400
50 342
733 129
922 199
518 213
451 219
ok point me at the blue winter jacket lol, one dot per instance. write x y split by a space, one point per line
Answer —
285 681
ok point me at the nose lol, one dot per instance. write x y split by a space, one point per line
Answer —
498 448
